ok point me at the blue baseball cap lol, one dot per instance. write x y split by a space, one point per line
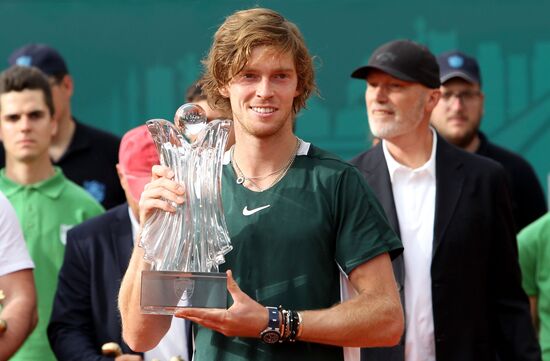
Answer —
455 64
45 58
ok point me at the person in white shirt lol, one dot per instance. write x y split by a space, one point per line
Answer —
459 275
18 315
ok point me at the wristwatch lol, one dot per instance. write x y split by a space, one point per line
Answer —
272 334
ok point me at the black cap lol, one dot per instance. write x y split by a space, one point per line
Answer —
47 59
454 64
405 60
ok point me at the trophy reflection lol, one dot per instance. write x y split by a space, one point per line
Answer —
185 248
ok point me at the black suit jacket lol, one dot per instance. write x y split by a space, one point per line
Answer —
479 307
85 312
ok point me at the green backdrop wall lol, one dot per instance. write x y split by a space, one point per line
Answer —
132 60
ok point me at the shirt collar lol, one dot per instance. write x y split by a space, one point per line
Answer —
394 166
303 149
134 222
51 187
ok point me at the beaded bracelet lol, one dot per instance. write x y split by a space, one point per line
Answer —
291 327
287 325
285 328
294 324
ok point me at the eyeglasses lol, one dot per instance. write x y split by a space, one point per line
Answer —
464 97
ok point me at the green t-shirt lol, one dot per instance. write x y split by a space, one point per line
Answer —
534 258
46 211
288 243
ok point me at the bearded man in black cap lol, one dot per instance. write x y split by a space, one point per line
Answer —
459 277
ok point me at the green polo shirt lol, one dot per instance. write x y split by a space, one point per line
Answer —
46 211
289 244
534 258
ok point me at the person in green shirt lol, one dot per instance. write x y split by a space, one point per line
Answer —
297 217
47 204
534 259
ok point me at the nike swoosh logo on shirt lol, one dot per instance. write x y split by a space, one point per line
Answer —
247 212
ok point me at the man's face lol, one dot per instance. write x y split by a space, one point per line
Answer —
458 114
394 107
262 94
26 125
62 91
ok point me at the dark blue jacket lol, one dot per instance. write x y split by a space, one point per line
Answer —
85 312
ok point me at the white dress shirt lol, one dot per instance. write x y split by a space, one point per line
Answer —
174 343
414 198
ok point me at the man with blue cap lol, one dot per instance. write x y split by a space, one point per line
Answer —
457 117
86 155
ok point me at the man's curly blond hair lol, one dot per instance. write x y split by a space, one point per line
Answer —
233 43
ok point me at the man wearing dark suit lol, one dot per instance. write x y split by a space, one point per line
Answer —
458 276
85 314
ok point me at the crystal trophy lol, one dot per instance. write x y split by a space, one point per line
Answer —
185 248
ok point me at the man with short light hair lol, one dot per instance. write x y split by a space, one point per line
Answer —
459 275
457 117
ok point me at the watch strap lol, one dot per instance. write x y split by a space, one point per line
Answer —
273 318
272 333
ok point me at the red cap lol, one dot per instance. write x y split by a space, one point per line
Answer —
136 156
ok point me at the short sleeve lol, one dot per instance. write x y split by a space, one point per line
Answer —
528 249
14 255
363 231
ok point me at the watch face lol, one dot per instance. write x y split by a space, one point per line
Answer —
270 337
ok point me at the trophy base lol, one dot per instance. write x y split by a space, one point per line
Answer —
164 292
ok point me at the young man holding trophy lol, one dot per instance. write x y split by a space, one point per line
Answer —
297 217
